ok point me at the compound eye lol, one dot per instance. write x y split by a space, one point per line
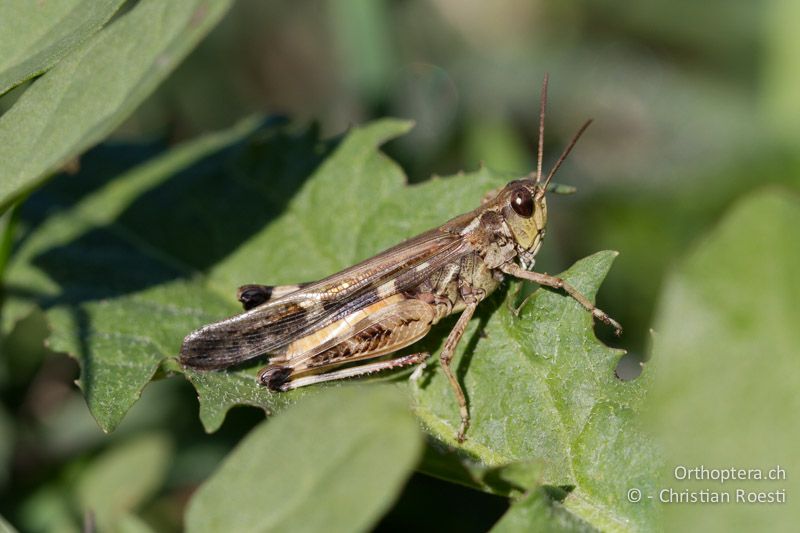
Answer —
522 203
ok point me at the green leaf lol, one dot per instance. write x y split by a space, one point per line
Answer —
123 289
512 480
541 387
726 350
334 462
545 369
538 511
78 260
90 92
123 478
308 240
36 35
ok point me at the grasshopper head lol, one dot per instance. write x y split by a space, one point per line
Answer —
523 203
524 209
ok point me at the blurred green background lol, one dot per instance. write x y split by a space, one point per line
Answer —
695 105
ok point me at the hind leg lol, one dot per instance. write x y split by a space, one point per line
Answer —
383 329
273 379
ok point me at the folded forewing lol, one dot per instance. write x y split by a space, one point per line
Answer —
269 328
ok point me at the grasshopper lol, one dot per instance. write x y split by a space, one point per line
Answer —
314 331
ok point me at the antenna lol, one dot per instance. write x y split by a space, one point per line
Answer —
542 106
566 152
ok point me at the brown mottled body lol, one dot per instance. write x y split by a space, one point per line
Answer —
325 330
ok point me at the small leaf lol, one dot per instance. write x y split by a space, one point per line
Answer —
91 91
513 479
219 391
334 462
123 478
726 353
538 511
36 35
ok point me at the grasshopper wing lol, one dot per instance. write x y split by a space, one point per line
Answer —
270 327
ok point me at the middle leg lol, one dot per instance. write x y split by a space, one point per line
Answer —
446 358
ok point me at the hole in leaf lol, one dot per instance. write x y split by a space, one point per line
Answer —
629 367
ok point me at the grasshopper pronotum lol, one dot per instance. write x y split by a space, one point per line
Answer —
390 301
